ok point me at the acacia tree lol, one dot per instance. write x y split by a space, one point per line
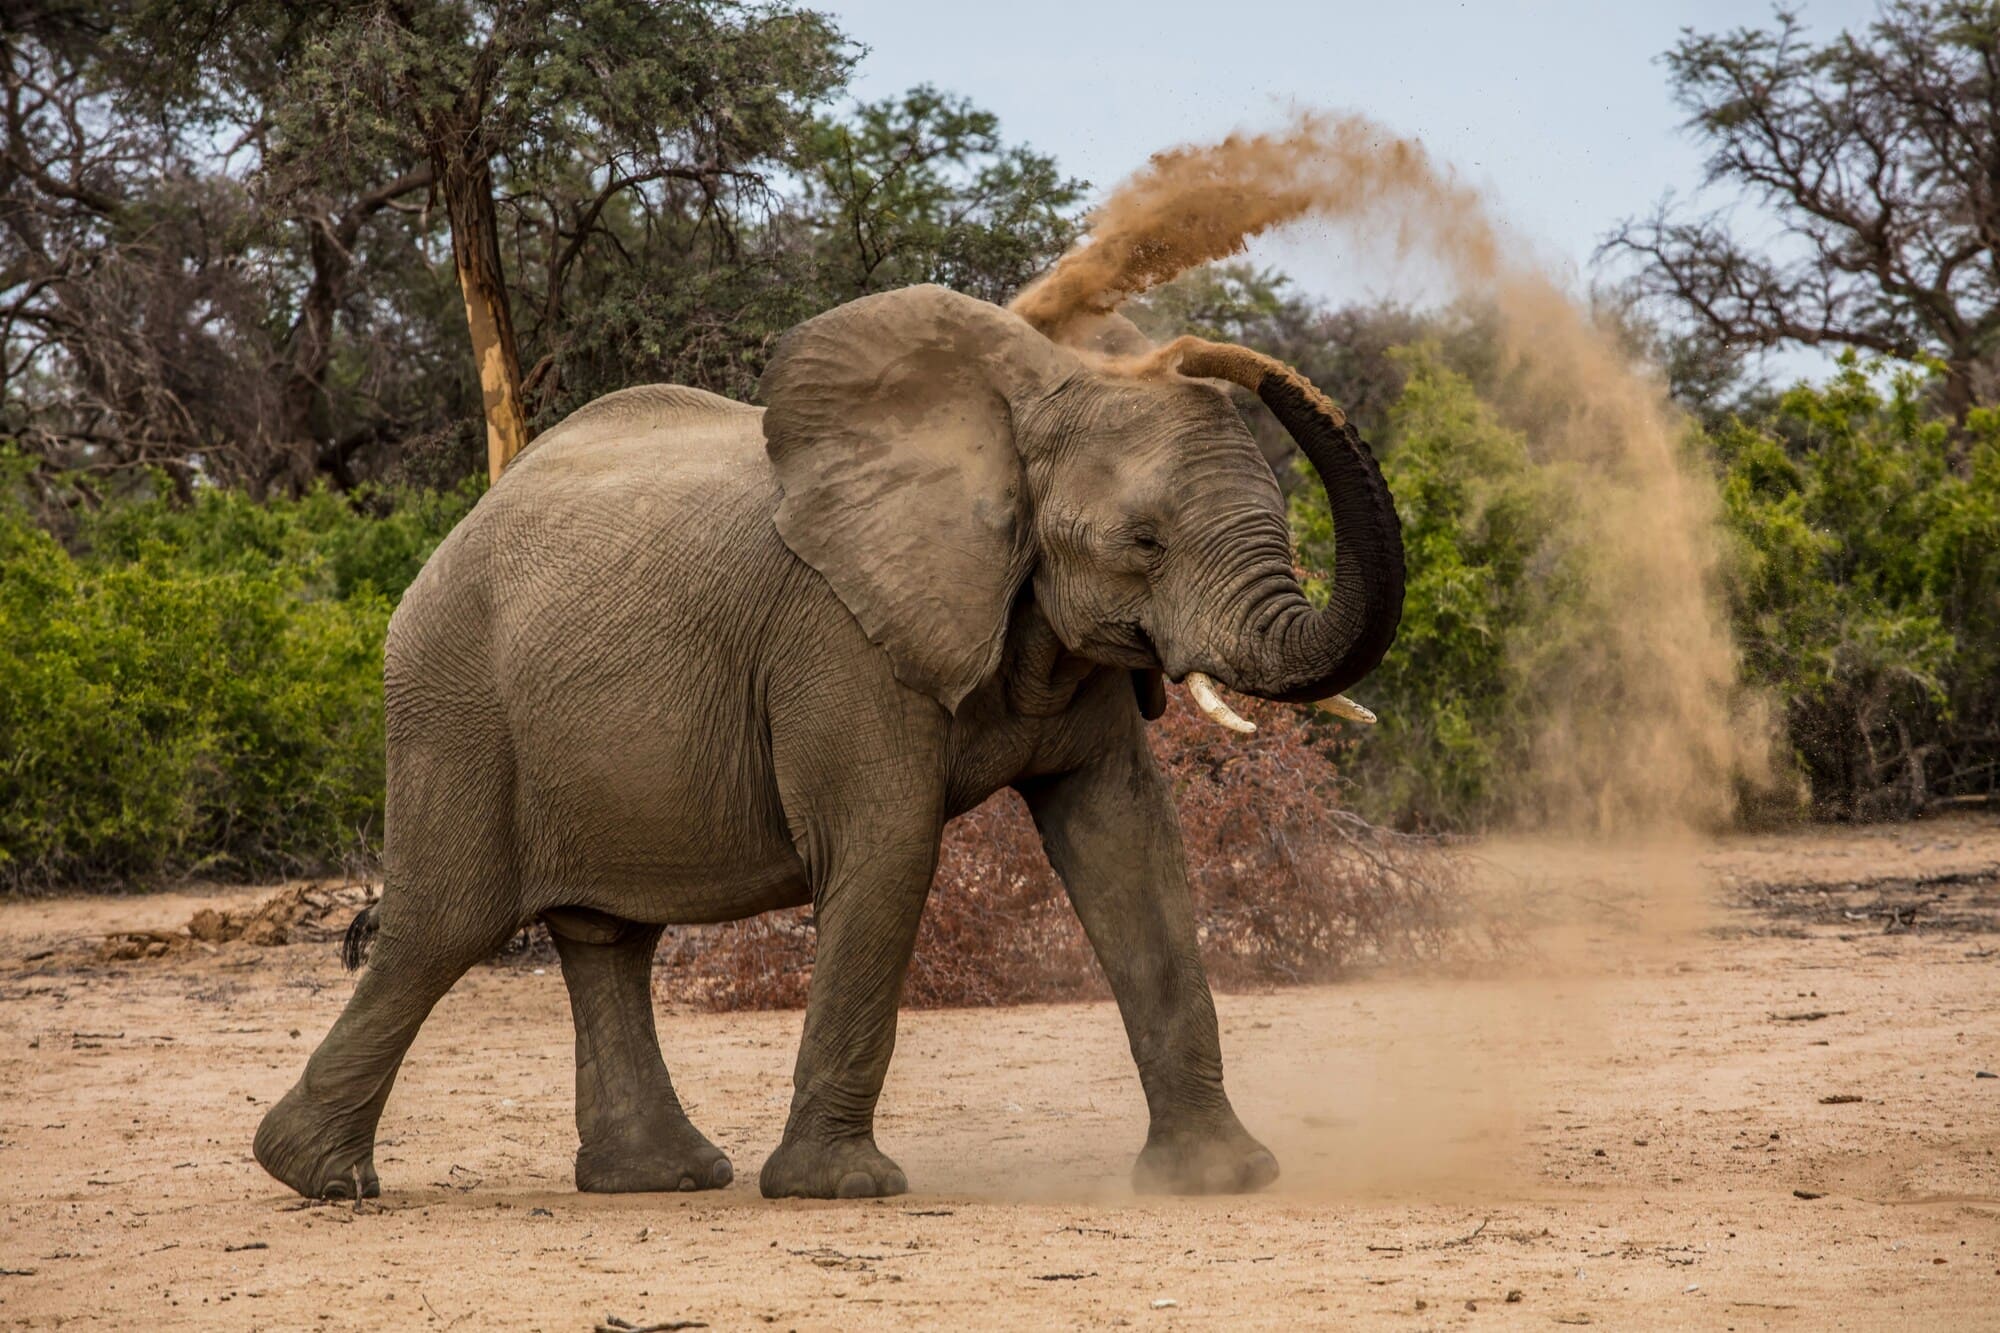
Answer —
131 335
481 90
1879 154
158 308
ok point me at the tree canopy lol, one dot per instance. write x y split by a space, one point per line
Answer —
1878 155
346 241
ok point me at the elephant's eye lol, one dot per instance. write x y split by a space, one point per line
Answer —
1147 542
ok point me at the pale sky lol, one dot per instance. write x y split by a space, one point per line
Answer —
1559 111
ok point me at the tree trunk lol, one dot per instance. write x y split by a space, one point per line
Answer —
475 248
305 413
1958 400
303 416
1958 396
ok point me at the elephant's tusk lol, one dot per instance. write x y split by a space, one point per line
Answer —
1342 706
1209 701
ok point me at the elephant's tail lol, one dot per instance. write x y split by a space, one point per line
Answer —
354 944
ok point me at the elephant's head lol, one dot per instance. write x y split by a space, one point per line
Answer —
937 452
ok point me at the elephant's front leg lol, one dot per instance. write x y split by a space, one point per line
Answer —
867 829
867 920
1111 834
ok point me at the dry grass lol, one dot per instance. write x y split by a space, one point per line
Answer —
1288 888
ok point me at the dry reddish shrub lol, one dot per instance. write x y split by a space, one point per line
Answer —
1287 887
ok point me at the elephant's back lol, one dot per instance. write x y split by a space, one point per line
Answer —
674 415
643 478
646 512
656 476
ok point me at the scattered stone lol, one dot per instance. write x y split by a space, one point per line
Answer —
1839 1099
213 927
1515 1297
1808 1194
302 913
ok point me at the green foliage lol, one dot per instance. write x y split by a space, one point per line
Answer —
198 689
337 547
194 686
1488 585
1864 576
1867 593
916 188
922 188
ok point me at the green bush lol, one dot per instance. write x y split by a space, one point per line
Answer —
339 545
1864 581
1867 589
197 689
1489 571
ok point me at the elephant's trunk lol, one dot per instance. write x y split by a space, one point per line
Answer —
1288 650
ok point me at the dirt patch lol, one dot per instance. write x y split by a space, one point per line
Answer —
1663 1138
1965 902
1934 876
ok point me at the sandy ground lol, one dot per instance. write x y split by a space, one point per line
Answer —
1626 1130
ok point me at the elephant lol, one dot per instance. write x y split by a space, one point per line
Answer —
690 660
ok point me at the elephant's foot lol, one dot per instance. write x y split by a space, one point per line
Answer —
849 1168
319 1154
663 1154
1209 1159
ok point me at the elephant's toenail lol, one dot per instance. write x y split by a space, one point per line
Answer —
687 1184
721 1173
856 1185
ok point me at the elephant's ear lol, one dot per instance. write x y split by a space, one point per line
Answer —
891 428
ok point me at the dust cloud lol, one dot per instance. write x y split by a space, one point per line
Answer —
1641 729
1641 736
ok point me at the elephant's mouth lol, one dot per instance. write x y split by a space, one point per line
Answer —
1143 642
1122 643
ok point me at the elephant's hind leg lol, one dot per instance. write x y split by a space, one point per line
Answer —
320 1137
635 1136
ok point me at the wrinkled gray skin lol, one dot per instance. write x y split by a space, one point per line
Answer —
690 661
